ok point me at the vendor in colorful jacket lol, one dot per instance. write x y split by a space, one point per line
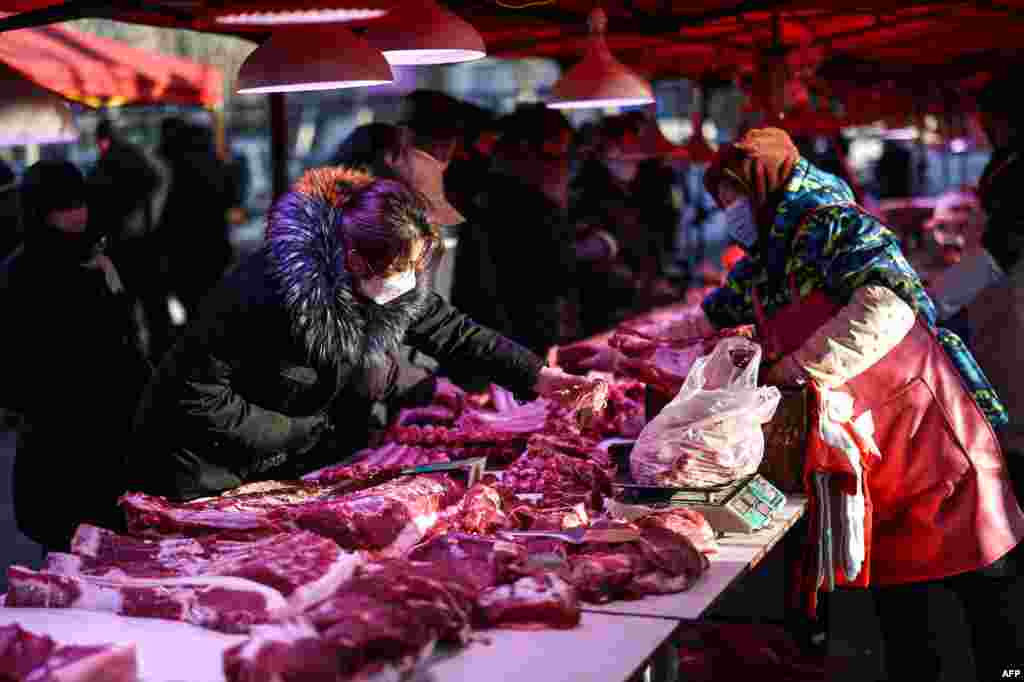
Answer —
836 303
279 373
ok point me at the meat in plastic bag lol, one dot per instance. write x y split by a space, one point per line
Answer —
710 433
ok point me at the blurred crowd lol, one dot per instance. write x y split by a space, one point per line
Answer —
553 234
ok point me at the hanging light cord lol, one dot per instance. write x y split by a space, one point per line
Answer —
537 3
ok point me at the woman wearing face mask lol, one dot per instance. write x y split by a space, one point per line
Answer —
837 304
71 365
280 371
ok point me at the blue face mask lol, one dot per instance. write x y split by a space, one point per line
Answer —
740 223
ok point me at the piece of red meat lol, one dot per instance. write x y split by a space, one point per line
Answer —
222 603
543 600
372 466
292 651
684 522
150 515
390 518
26 656
480 562
303 567
559 478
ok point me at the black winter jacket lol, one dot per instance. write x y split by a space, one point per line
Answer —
280 372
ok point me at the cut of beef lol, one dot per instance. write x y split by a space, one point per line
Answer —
291 651
543 600
389 518
303 566
686 523
220 603
560 480
149 515
480 562
27 657
605 575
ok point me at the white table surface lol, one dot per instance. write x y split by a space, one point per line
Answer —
738 554
167 651
603 647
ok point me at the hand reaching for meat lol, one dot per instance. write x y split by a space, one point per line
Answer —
584 397
560 386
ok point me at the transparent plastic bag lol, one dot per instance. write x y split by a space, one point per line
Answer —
710 433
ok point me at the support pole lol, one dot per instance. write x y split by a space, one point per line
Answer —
279 143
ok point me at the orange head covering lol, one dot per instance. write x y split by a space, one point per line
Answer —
760 162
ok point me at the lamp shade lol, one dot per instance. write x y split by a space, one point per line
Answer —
599 79
313 57
425 33
32 115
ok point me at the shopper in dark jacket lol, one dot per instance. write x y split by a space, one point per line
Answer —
71 367
279 373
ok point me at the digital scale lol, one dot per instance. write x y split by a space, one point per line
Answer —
742 506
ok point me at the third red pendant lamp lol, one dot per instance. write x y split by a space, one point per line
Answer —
599 79
423 32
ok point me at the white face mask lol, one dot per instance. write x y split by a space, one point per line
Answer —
383 290
740 223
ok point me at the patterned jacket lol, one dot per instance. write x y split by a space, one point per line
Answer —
820 239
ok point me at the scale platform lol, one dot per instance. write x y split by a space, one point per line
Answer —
742 506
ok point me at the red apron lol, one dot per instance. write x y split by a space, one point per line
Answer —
940 498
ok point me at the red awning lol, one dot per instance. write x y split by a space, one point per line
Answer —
99 71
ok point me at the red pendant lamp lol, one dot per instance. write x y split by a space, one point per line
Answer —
313 57
423 32
599 79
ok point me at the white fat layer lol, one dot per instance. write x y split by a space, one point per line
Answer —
275 602
340 572
287 632
528 590
98 597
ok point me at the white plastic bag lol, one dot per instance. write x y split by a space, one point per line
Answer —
710 433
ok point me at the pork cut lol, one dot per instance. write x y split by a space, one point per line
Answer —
302 566
150 515
374 465
480 562
389 518
28 657
544 600
221 603
291 651
559 479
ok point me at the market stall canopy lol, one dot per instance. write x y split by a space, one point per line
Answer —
98 71
653 36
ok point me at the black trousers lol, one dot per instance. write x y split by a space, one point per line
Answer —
915 619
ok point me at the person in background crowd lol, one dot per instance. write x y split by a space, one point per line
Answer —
435 119
939 243
610 193
837 304
524 209
996 316
193 228
124 187
471 161
894 171
956 226
10 214
72 367
338 287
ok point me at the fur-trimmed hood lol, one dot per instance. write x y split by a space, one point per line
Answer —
305 258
